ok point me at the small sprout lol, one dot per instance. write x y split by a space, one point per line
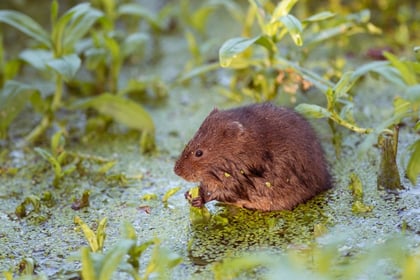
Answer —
121 178
268 184
356 188
149 196
21 210
48 199
359 207
106 167
170 193
81 203
8 171
227 175
27 266
242 172
95 240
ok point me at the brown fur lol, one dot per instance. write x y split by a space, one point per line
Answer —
259 157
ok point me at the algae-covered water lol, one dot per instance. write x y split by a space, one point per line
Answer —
50 236
324 234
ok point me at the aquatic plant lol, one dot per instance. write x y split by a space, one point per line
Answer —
102 266
239 53
60 54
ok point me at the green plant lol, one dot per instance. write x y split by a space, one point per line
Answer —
58 55
95 240
102 266
257 73
324 262
55 57
404 74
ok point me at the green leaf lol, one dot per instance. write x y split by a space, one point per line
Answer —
404 68
114 257
294 27
88 268
413 167
356 186
384 69
138 10
37 58
345 83
72 26
319 17
26 25
133 43
328 33
13 98
170 193
89 234
100 233
233 47
412 93
52 160
198 71
120 109
66 66
283 8
416 50
312 111
83 18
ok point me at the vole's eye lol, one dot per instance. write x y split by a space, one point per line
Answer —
198 153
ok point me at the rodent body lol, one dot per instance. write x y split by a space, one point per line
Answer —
260 157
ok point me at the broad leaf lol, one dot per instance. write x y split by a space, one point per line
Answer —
26 25
134 43
88 267
126 112
294 27
138 10
412 93
384 69
233 47
113 258
66 66
13 98
283 8
84 16
319 17
37 58
405 68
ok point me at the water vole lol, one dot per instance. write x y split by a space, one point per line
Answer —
259 157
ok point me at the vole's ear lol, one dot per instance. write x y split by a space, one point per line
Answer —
234 129
215 110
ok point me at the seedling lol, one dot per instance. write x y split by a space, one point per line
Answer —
95 240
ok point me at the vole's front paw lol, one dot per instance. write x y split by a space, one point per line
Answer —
197 202
194 198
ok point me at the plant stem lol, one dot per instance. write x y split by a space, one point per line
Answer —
48 116
335 117
58 93
39 129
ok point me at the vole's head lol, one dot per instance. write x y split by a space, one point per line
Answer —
218 138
